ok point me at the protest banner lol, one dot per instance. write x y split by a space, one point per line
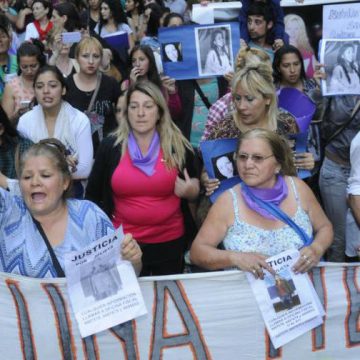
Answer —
187 51
291 3
219 162
341 21
194 316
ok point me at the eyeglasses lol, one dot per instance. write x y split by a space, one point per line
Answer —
257 159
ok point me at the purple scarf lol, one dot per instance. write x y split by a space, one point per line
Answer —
144 163
274 196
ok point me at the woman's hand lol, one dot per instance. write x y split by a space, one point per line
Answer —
229 76
278 43
134 74
187 189
304 161
252 262
72 162
130 251
169 84
309 257
319 73
210 185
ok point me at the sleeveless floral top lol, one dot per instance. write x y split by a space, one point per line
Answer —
244 237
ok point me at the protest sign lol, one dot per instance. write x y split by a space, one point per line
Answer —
338 55
218 156
341 21
188 51
118 41
193 316
221 11
287 301
103 288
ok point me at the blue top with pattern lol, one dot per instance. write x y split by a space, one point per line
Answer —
22 248
244 237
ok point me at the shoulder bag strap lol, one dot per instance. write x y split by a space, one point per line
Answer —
202 95
55 261
93 98
279 214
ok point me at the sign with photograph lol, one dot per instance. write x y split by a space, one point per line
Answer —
103 288
341 21
341 58
218 156
199 51
288 302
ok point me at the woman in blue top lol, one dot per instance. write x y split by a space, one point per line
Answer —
69 224
249 233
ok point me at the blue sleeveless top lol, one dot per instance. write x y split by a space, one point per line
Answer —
244 237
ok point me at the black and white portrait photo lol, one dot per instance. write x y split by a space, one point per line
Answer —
214 50
342 67
100 280
172 52
224 167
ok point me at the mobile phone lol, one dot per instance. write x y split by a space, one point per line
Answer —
71 37
25 104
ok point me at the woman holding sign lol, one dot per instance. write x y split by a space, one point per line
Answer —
269 212
39 228
254 106
140 175
289 72
113 19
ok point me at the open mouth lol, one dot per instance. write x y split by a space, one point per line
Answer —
38 196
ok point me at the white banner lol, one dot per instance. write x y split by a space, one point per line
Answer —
286 3
196 316
341 21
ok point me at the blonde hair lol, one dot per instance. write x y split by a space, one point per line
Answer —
255 80
173 143
86 43
302 41
251 57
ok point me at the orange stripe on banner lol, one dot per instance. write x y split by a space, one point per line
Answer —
348 309
153 320
135 341
358 290
313 339
16 284
267 348
165 334
196 320
68 320
347 294
96 348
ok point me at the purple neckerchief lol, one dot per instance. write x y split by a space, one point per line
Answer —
144 163
274 196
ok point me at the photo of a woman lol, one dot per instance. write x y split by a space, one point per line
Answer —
172 52
346 74
218 59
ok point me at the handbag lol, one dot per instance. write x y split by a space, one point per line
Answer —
279 214
59 271
96 121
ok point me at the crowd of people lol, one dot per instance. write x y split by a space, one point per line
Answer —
92 139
